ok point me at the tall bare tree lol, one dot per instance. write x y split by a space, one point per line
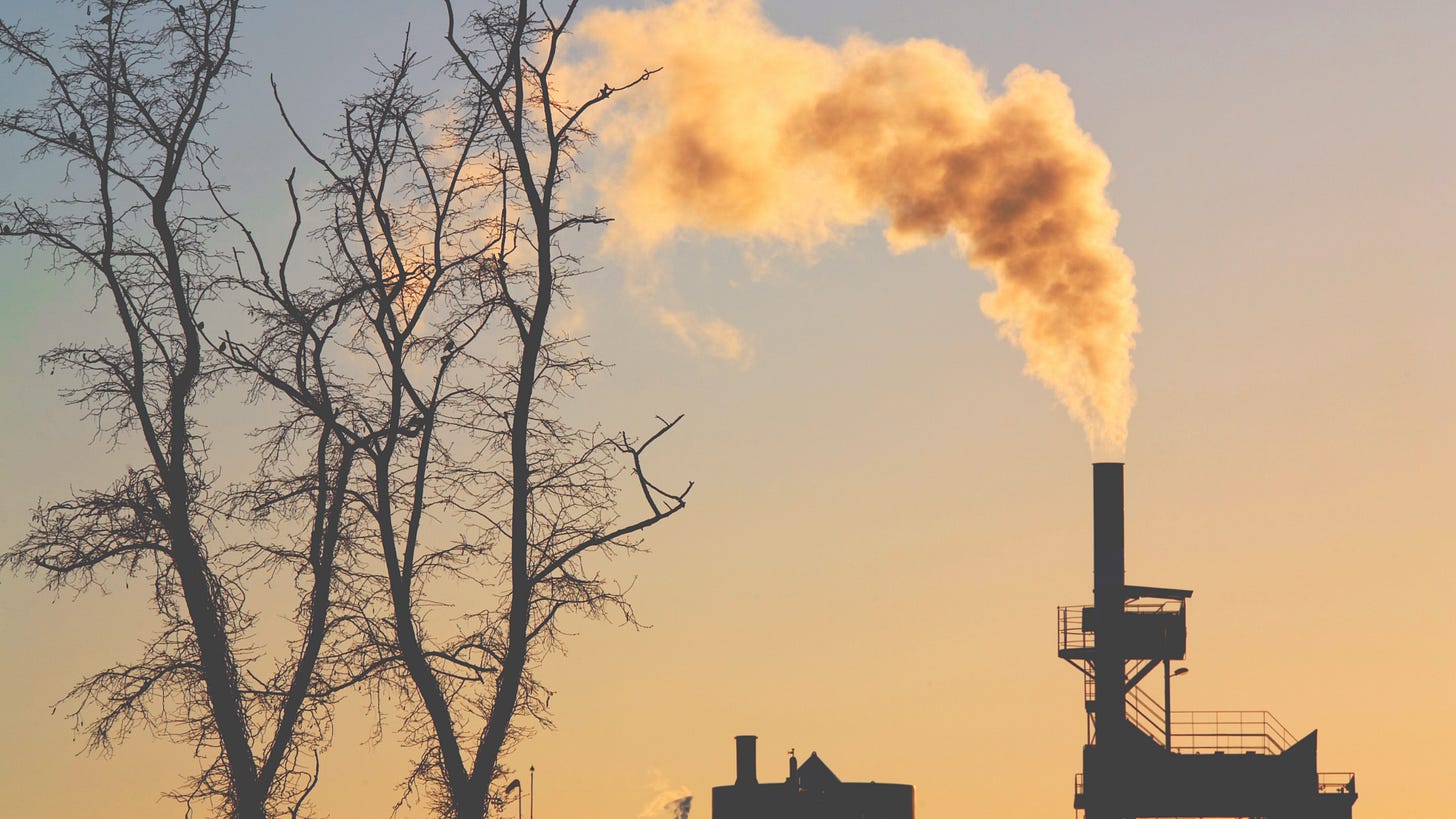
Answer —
490 513
557 496
421 457
557 492
130 93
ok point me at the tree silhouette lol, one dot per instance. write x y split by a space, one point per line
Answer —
440 519
427 351
130 93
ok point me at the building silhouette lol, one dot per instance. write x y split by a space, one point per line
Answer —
810 791
1142 758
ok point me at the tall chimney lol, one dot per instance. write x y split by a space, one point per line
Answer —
1108 596
747 760
1107 550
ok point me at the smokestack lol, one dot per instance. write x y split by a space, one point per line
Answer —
1107 546
747 760
1108 595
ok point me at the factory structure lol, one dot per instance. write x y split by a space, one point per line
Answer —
1141 757
810 791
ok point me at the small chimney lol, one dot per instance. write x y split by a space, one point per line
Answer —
747 760
793 768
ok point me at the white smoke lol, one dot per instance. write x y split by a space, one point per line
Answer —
751 134
674 803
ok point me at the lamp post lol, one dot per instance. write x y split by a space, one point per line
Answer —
1168 675
533 792
515 786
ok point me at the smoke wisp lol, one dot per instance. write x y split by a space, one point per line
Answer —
675 803
750 133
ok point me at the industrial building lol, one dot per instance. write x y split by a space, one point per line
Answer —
810 791
1144 759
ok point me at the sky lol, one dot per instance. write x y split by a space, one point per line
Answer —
887 510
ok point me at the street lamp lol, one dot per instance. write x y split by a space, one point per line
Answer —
1168 674
515 786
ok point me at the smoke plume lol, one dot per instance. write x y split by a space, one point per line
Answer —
753 134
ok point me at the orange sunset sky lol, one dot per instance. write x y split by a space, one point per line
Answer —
888 509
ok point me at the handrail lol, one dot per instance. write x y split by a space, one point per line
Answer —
1146 715
1229 731
1337 782
1165 606
1074 631
1071 629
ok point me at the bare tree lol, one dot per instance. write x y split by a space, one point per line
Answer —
130 93
449 521
557 495
435 362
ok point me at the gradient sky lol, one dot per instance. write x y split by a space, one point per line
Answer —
887 510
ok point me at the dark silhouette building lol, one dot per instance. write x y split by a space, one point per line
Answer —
1143 759
811 791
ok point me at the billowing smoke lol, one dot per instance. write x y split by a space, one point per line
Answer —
750 133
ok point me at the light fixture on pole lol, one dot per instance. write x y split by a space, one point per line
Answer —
515 786
1168 674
